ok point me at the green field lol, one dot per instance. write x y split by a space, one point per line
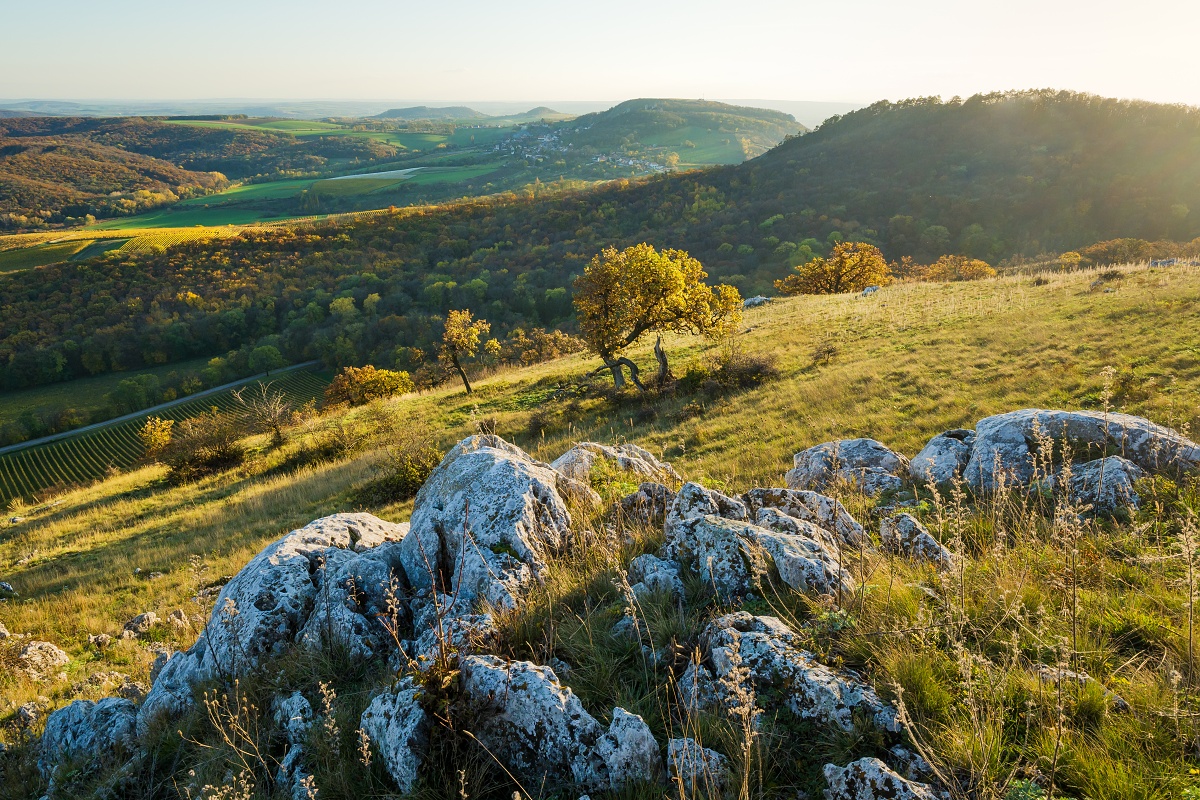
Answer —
188 217
462 137
91 454
29 257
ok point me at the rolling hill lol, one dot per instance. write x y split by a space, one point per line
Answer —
431 113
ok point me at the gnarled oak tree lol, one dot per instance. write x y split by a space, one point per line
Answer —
851 267
624 294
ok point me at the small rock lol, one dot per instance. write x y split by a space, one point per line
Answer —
133 691
864 462
1105 484
178 620
3 632
695 769
756 301
96 732
141 624
649 574
99 640
293 715
28 714
904 534
398 729
7 591
649 504
871 779
694 502
809 506
1055 675
41 660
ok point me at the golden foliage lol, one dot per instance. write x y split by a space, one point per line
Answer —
156 435
358 385
851 267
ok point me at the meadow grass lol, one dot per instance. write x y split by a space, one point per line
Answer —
960 650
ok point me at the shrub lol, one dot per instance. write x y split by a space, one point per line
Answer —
203 445
155 435
356 386
401 472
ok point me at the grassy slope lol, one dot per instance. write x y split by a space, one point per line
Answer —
914 360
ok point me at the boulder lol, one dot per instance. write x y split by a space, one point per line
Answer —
141 624
540 731
484 524
822 511
577 463
398 729
1006 444
723 552
871 779
263 609
944 458
42 660
865 462
649 504
770 651
87 732
694 502
7 591
696 770
441 629
1105 484
755 302
649 574
357 601
904 534
807 558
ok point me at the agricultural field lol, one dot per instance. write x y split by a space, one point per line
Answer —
39 255
407 140
92 454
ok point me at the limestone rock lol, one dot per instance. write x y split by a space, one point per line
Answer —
696 687
141 624
399 731
7 591
28 714
694 502
865 462
944 458
809 506
454 633
871 779
292 773
807 557
577 463
1056 675
539 730
261 611
904 534
649 504
770 651
356 595
755 302
649 574
484 523
1005 445
1105 484
723 552
292 714
696 769
3 632
41 660
95 733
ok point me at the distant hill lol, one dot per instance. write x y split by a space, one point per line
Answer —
700 131
9 113
431 113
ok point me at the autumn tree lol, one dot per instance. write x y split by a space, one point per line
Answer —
625 294
850 267
358 385
155 435
461 341
959 268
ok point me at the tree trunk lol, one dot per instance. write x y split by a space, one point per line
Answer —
664 369
633 372
618 374
461 372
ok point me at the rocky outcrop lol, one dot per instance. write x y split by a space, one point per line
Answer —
398 730
807 558
1006 444
140 625
41 660
541 733
770 651
649 574
1104 485
871 779
87 733
694 769
293 715
904 534
864 462
809 506
649 504
723 552
944 459
577 463
263 610
484 524
694 501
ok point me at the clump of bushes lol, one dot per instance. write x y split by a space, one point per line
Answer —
356 386
730 371
402 470
203 445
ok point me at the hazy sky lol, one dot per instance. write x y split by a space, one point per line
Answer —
843 50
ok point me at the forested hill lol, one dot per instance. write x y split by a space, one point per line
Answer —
993 177
989 177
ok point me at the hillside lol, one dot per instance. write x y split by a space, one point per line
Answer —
974 650
432 113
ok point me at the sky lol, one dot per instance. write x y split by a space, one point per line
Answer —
854 51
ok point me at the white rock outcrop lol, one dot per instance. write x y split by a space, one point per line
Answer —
865 462
771 652
1106 484
904 534
42 660
944 459
293 715
577 463
871 779
398 729
484 524
87 733
1006 444
649 504
261 612
649 574
824 512
694 501
541 733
